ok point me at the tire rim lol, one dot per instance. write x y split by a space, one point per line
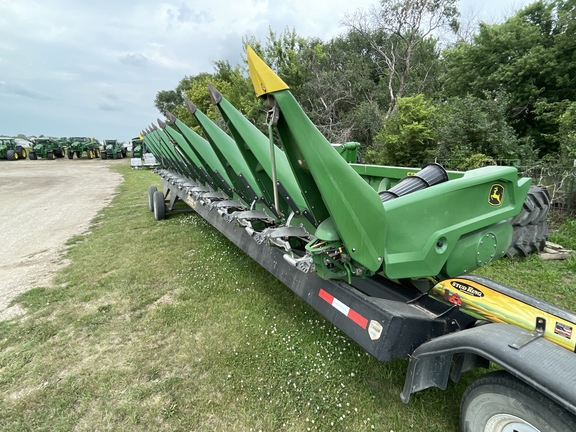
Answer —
508 423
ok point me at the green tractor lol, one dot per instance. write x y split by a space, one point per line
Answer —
47 148
113 149
138 147
11 150
78 145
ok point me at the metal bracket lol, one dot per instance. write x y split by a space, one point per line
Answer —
532 336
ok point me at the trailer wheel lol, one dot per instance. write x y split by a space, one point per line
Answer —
159 206
151 191
500 402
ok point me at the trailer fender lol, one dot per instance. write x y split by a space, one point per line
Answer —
543 365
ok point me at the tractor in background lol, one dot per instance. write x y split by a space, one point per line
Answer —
11 150
47 148
78 145
113 149
138 147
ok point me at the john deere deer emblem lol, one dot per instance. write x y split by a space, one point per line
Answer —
496 195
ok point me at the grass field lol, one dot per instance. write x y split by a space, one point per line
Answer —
168 326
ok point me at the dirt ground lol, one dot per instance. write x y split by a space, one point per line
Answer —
42 204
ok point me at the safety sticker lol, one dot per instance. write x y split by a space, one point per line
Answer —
375 330
563 330
344 309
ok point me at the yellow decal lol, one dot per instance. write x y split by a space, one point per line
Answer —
483 302
496 195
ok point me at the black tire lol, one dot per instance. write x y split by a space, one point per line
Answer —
11 155
22 152
151 191
97 153
119 155
70 154
104 155
535 208
500 402
528 239
79 154
89 153
530 226
159 206
32 156
61 152
50 155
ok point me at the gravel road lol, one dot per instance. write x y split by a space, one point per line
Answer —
42 204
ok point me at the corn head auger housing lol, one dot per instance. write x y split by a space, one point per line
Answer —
384 253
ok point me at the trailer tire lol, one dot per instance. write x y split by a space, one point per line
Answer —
499 402
159 206
151 191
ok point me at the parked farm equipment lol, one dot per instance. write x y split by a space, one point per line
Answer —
11 150
112 149
138 147
78 145
47 148
384 253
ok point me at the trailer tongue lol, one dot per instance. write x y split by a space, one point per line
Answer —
384 253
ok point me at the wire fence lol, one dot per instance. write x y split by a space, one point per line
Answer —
560 182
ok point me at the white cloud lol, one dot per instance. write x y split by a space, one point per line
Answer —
93 68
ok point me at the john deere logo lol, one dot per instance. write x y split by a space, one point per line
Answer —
496 195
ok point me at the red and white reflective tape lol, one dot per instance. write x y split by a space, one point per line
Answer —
350 313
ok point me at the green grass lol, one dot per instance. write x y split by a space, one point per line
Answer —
168 326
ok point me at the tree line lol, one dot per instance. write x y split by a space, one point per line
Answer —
411 84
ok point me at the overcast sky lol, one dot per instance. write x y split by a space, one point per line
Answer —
93 68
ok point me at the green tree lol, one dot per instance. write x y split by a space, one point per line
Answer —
530 57
397 32
409 136
472 127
